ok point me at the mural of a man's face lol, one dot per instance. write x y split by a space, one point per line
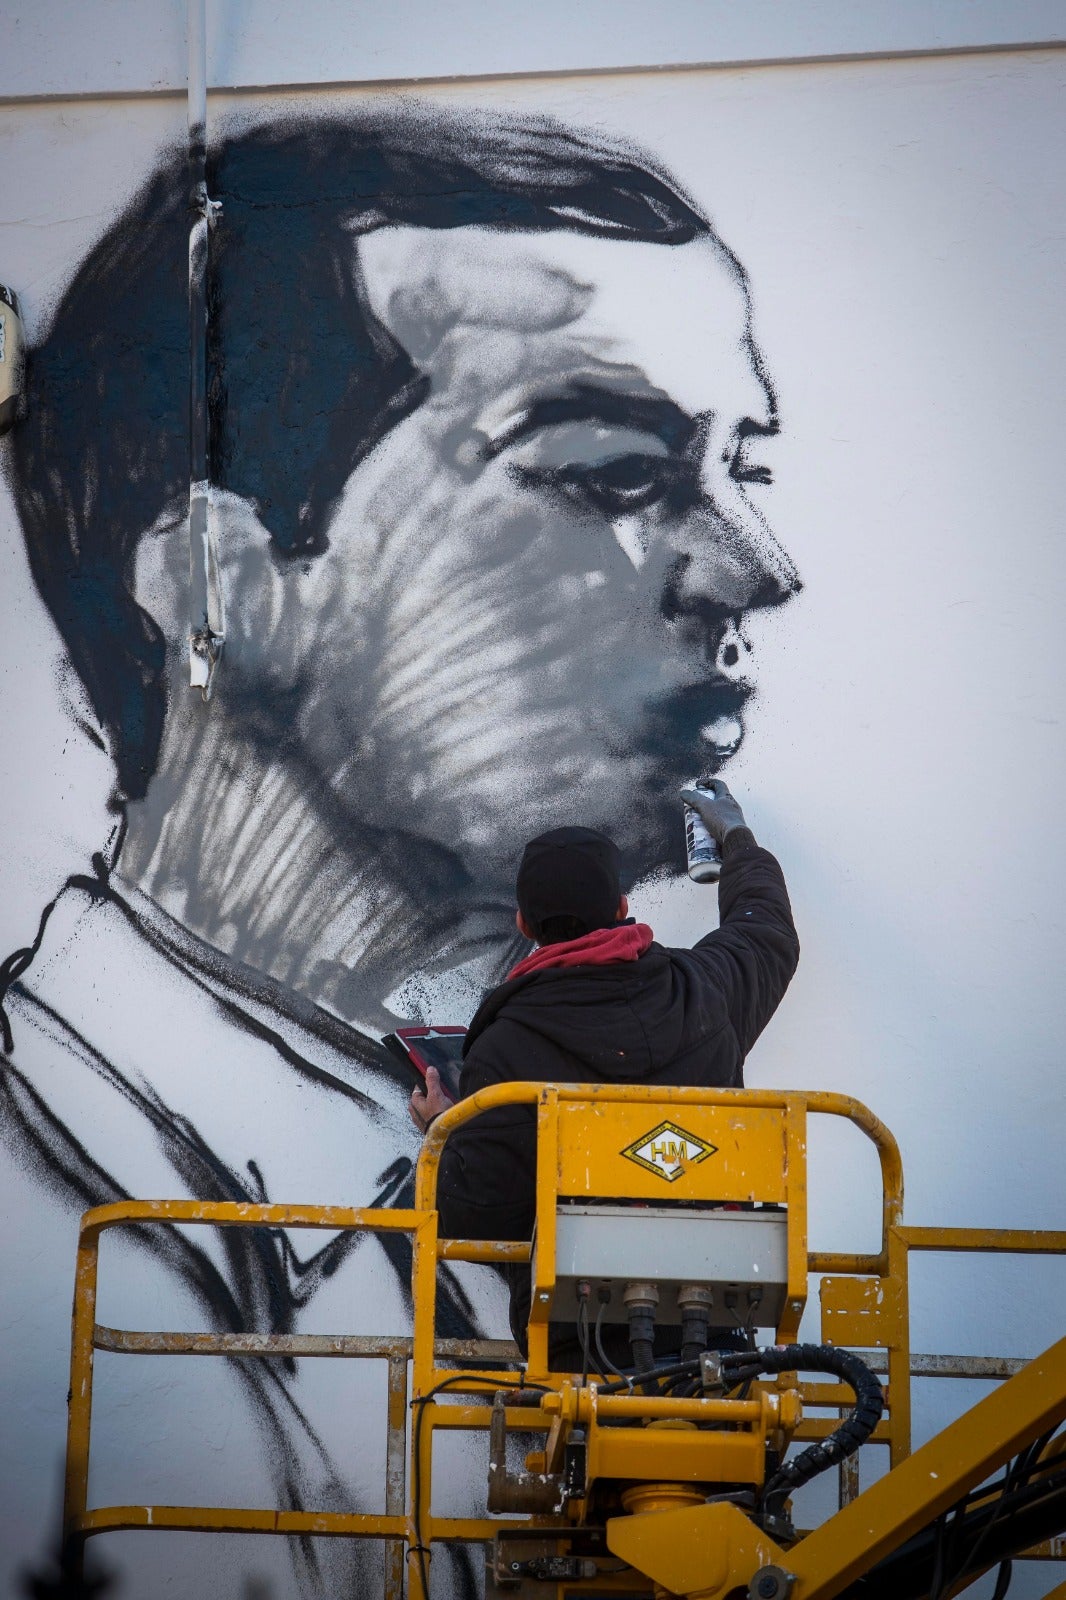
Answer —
486 426
530 611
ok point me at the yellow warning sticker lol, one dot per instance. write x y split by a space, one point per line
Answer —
668 1151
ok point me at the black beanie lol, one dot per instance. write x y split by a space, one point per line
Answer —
569 872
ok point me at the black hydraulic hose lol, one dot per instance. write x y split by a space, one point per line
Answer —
740 1366
693 1334
853 1431
643 1359
640 1301
651 1373
695 1303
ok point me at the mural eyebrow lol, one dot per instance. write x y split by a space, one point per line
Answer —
586 402
748 428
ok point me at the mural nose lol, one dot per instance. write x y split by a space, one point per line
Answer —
782 580
732 566
764 566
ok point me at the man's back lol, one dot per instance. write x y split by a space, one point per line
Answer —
616 1007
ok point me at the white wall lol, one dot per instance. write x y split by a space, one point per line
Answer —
138 46
897 220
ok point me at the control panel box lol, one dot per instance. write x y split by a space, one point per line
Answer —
740 1257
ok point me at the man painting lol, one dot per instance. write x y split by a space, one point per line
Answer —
599 1001
487 545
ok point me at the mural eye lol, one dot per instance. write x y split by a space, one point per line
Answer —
751 474
625 484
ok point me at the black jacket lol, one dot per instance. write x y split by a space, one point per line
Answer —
678 1017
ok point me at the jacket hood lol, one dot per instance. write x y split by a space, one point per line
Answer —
622 1020
624 941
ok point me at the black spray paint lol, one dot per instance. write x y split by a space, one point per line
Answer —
319 891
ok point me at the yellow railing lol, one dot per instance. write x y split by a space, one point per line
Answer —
777 1162
864 1305
88 1336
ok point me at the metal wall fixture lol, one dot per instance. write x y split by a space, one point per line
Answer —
12 359
207 612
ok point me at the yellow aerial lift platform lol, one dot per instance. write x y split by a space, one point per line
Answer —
677 1212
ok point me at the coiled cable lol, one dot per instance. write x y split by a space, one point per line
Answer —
854 1429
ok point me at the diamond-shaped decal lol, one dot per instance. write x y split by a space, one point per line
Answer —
668 1151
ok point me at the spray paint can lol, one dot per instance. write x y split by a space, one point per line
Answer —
704 856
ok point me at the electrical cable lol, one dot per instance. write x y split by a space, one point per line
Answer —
987 1490
686 1369
1019 1471
679 1386
999 1530
1003 1578
606 1364
749 1332
583 1334
471 1385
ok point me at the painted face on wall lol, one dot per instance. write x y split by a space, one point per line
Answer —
530 612
532 605
488 523
555 552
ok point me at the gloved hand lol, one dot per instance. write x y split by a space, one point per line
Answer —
720 814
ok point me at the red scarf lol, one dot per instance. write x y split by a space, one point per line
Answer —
624 942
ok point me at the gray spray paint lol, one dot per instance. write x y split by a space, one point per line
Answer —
267 823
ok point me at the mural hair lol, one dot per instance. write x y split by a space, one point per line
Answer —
303 379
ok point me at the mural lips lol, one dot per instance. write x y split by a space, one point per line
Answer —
703 723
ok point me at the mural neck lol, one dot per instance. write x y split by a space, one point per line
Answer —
229 844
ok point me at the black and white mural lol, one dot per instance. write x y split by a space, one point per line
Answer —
487 569
497 382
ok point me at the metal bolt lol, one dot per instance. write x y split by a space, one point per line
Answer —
543 1295
771 1583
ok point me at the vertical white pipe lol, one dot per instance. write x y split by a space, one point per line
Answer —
206 617
197 40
